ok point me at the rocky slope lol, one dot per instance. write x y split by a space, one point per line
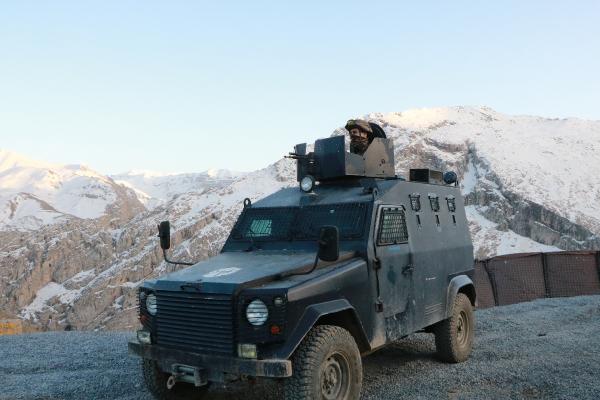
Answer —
82 274
528 184
155 189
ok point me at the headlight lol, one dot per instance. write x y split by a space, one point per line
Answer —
257 312
151 305
307 183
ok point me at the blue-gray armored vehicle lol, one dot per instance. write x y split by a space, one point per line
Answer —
312 278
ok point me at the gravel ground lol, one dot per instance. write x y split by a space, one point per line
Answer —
547 349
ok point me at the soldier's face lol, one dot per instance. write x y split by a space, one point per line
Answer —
357 134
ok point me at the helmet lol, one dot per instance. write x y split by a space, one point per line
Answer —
359 124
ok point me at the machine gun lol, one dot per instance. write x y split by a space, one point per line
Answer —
305 162
330 161
296 156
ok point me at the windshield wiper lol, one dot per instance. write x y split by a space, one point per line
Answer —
252 242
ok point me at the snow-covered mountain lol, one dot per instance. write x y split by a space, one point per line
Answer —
83 273
523 177
34 193
529 184
154 188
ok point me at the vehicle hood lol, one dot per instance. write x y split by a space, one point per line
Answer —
231 271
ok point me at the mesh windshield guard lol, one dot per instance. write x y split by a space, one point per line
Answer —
300 223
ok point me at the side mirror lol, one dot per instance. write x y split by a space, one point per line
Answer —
164 233
329 243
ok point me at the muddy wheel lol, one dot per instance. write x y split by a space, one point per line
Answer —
454 336
326 366
156 382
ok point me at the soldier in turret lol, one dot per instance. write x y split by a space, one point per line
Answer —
362 134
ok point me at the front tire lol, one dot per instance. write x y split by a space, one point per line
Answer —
326 366
156 382
454 336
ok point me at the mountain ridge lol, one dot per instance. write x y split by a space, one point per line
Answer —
524 189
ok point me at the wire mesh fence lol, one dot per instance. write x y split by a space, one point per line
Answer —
522 277
572 274
483 285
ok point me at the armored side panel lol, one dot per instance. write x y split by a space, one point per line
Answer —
431 247
330 158
332 161
302 163
379 159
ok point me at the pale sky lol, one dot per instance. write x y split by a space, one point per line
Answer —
188 86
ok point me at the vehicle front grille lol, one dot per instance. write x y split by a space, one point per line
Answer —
197 322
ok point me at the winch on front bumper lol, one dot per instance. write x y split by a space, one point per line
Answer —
212 368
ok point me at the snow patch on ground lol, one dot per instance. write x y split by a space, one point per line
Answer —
82 276
486 236
469 180
25 212
44 295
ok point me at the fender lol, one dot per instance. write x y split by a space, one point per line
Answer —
457 283
310 316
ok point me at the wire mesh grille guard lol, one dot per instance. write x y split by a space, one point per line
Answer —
349 219
302 223
434 201
272 223
392 227
451 204
415 201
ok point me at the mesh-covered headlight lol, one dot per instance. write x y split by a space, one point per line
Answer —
257 312
151 304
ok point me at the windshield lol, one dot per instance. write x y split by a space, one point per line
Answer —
300 223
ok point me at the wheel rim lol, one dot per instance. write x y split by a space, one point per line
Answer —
335 377
462 329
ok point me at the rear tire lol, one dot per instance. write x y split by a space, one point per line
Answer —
156 382
454 336
326 365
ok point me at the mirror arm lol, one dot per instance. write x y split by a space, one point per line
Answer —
174 262
313 267
285 275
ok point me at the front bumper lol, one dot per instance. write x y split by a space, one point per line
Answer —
214 365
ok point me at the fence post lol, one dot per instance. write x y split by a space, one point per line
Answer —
598 263
545 269
492 280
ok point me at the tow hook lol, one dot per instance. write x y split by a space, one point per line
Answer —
188 374
171 382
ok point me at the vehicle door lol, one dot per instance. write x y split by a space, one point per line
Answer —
393 253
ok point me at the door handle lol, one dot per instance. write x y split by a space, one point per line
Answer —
408 269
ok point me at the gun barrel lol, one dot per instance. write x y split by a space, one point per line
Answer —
296 156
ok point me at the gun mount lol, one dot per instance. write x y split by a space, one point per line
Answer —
331 161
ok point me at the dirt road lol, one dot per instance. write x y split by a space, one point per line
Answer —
547 349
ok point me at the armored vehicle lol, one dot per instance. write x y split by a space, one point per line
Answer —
312 278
